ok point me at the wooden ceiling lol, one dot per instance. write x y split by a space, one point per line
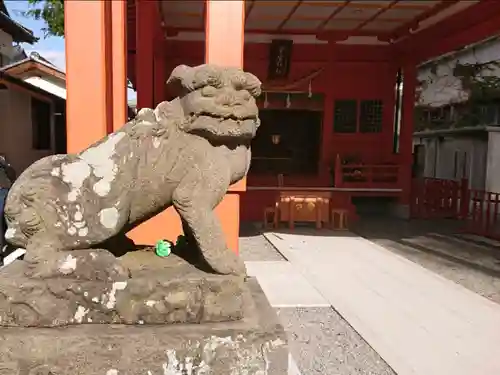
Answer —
386 20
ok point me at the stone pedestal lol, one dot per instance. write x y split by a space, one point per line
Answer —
181 322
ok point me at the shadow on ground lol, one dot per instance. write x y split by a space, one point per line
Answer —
442 247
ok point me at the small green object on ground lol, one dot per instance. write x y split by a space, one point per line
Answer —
163 248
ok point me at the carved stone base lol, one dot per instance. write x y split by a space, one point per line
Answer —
253 345
92 286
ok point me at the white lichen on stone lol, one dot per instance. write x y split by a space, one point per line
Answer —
112 372
79 224
80 314
10 233
58 224
56 172
111 297
83 232
171 367
100 158
72 231
75 174
156 142
151 303
68 265
78 216
109 217
93 255
95 299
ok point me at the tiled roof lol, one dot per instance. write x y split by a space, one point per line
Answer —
19 33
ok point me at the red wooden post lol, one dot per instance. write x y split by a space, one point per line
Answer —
119 62
494 230
88 72
464 198
406 131
339 178
224 42
144 55
167 223
160 77
415 199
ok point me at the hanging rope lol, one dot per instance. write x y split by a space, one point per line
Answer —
293 85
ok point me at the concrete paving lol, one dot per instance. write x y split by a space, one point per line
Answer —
419 322
284 285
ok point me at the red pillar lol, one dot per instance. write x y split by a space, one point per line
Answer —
88 72
406 131
327 159
146 15
160 76
225 33
150 83
119 62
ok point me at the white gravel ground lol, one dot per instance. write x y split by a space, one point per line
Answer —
322 342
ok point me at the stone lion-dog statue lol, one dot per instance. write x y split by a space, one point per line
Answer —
186 153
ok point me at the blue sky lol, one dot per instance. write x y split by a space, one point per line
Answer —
51 48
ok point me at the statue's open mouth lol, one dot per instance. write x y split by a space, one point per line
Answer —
230 116
222 127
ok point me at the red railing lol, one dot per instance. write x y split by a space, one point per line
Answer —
482 216
438 198
365 176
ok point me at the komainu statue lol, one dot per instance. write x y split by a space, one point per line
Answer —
185 153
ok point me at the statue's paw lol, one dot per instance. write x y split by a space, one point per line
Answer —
240 269
229 264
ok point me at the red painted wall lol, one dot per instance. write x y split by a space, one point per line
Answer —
349 72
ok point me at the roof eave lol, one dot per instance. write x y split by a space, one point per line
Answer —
19 33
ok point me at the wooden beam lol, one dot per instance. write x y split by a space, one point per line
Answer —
376 15
289 15
249 11
469 26
408 27
335 12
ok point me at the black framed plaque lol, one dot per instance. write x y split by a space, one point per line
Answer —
280 58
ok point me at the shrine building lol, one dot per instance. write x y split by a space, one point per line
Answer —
339 81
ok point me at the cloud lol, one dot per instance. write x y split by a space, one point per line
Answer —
58 58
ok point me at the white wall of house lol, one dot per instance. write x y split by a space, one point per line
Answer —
6 48
440 87
16 128
493 162
449 157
